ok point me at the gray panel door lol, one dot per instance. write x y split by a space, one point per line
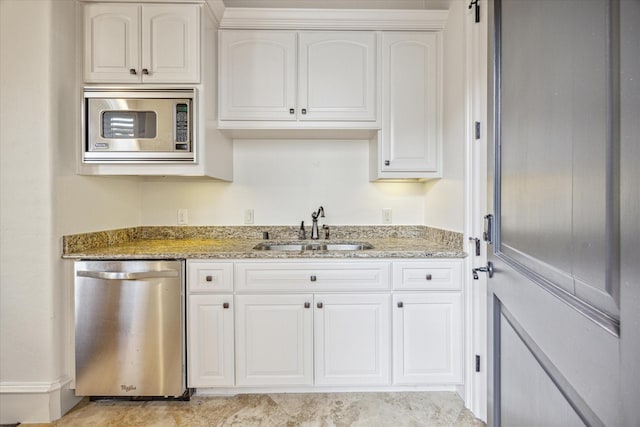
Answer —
565 221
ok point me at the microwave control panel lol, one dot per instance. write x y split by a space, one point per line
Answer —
182 126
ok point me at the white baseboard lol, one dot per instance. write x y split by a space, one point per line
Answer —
231 391
35 401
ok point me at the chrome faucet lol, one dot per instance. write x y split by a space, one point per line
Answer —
315 234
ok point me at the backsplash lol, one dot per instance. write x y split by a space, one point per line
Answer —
87 241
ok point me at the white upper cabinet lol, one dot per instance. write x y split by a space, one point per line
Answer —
257 75
410 139
337 78
297 76
149 43
171 43
111 43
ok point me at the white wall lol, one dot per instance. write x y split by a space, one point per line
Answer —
40 199
284 181
27 193
444 200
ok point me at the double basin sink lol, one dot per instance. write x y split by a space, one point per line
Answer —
305 246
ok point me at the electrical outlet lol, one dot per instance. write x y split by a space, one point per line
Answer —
386 216
248 216
183 217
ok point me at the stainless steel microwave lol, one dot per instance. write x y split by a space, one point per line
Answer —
137 126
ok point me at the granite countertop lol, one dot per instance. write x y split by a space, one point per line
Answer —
238 243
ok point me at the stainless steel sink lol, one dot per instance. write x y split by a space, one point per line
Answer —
279 247
297 247
346 246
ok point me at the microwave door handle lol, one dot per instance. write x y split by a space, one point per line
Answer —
127 275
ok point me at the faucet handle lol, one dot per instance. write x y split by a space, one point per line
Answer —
325 227
302 234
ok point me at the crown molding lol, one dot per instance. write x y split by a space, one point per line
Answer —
333 19
217 8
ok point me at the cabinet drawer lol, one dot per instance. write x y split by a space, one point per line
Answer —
428 275
312 276
208 276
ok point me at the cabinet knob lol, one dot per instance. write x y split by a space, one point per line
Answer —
304 111
145 71
132 71
307 304
429 276
387 162
400 304
319 305
314 278
292 111
209 278
225 305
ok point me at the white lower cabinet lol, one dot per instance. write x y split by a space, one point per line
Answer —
274 340
280 338
210 340
427 338
330 324
352 339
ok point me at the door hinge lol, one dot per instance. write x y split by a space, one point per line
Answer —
477 10
477 130
477 363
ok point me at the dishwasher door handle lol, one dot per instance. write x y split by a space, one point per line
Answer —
127 275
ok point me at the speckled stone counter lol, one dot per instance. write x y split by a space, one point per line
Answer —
238 242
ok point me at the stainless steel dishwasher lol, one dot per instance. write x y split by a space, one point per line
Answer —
129 329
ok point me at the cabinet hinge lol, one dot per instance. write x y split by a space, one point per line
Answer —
476 244
477 363
477 130
477 10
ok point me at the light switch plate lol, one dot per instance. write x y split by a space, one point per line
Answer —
183 217
248 216
386 216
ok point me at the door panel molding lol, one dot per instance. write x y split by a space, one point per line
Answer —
581 408
599 305
603 320
559 299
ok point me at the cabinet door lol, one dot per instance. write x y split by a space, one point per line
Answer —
210 340
257 75
352 339
337 73
274 340
171 43
111 43
411 82
427 338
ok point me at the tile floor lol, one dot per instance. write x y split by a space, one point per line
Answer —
322 409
